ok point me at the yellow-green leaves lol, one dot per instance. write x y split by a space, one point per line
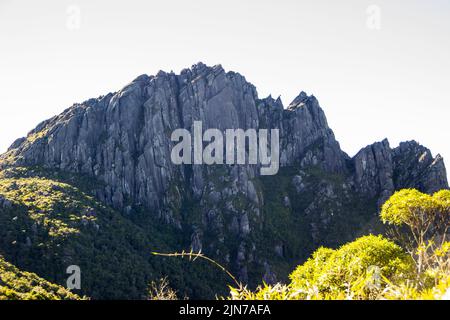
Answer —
57 207
361 269
420 222
18 285
410 206
443 198
373 267
405 206
351 268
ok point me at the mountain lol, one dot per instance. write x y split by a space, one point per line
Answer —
109 161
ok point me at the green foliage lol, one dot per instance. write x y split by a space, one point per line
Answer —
53 220
370 267
347 268
405 205
421 223
443 197
312 219
50 204
373 267
426 216
276 292
20 285
416 209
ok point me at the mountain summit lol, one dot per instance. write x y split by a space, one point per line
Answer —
260 226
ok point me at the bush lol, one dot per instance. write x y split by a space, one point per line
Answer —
417 217
420 223
358 270
373 267
353 271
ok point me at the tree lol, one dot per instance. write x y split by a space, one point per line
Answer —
420 222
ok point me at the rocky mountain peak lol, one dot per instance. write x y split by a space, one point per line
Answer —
415 167
299 100
123 141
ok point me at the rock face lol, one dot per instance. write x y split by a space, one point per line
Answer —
123 140
380 170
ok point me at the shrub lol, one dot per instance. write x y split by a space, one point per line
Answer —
373 267
361 269
420 223
160 290
353 271
425 217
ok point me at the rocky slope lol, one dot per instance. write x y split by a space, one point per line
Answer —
260 226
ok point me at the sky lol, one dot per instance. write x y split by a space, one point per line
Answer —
380 69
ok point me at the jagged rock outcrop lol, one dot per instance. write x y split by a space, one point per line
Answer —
380 170
123 140
415 167
374 170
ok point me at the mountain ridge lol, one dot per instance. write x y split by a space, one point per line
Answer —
260 226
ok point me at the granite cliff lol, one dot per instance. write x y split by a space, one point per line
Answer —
260 226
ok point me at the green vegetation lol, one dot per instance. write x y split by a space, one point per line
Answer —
373 267
420 223
425 218
51 220
335 272
302 228
19 285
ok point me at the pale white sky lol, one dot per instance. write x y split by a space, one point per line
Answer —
393 82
